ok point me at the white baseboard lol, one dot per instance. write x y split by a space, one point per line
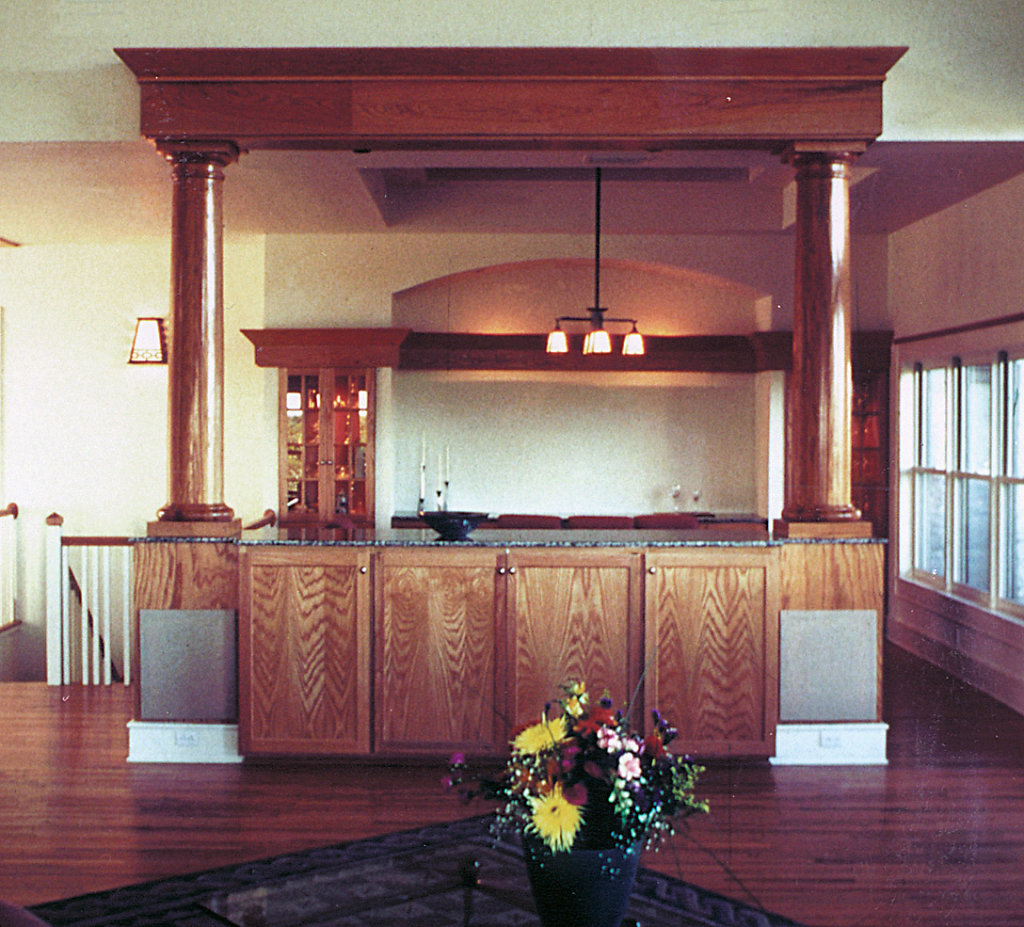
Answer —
182 742
855 743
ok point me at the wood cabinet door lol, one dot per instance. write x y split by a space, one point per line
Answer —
573 615
712 644
438 651
304 651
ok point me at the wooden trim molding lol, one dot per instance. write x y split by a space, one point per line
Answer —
326 347
510 97
962 329
409 350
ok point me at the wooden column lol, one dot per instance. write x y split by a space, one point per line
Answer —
196 373
817 492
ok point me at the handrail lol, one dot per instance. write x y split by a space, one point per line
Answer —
10 509
81 603
267 520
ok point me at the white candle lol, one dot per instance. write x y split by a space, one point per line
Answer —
423 467
447 462
440 474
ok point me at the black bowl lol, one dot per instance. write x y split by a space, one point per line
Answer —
453 526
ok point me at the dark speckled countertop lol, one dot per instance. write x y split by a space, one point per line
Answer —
510 538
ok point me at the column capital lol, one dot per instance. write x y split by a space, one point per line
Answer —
805 154
220 154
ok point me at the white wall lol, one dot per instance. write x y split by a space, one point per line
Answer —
84 433
585 445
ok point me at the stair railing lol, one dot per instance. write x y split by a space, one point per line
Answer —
8 565
88 607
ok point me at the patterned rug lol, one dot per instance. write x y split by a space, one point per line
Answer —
448 875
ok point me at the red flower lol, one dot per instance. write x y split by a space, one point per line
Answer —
654 745
576 794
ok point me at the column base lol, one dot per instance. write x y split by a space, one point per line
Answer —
195 529
821 529
196 511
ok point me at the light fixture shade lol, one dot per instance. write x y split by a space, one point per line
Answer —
598 341
149 346
558 341
633 344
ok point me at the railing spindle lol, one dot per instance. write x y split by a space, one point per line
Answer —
126 614
65 613
104 613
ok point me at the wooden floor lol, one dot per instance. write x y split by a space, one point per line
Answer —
934 838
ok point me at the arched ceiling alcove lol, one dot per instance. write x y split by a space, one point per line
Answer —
527 296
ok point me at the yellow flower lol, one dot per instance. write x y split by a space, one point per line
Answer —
541 736
555 819
576 699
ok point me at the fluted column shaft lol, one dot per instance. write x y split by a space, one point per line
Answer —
819 401
196 364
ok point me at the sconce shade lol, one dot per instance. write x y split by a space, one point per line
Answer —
633 343
558 341
149 345
597 341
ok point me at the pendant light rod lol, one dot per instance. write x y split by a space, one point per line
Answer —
597 239
597 340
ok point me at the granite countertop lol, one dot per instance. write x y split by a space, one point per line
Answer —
511 538
728 535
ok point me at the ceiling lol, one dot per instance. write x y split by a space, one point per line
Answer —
97 191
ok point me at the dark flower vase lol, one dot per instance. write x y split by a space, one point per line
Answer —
580 888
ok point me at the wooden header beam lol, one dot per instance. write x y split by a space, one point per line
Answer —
533 98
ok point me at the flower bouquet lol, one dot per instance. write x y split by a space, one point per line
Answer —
579 778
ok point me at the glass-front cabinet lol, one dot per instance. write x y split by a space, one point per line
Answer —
327 428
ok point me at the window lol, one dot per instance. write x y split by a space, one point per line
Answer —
1013 486
966 479
930 473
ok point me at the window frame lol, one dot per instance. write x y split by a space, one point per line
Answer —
957 478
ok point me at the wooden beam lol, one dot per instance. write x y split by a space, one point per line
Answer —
511 97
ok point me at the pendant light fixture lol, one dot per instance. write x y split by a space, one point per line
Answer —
597 339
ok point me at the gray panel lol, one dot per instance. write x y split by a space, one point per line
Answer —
828 665
188 665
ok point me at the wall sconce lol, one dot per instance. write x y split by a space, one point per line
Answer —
149 345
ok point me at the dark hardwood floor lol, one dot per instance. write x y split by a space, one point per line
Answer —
934 838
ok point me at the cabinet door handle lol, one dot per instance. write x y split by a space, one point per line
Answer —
362 569
651 570
501 571
511 569
326 463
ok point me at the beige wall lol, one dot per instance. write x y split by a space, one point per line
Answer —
84 434
960 264
60 80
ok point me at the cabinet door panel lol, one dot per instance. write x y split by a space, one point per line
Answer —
436 652
714 672
304 655
574 617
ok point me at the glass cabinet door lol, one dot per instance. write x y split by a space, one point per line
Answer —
302 445
327 445
350 429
